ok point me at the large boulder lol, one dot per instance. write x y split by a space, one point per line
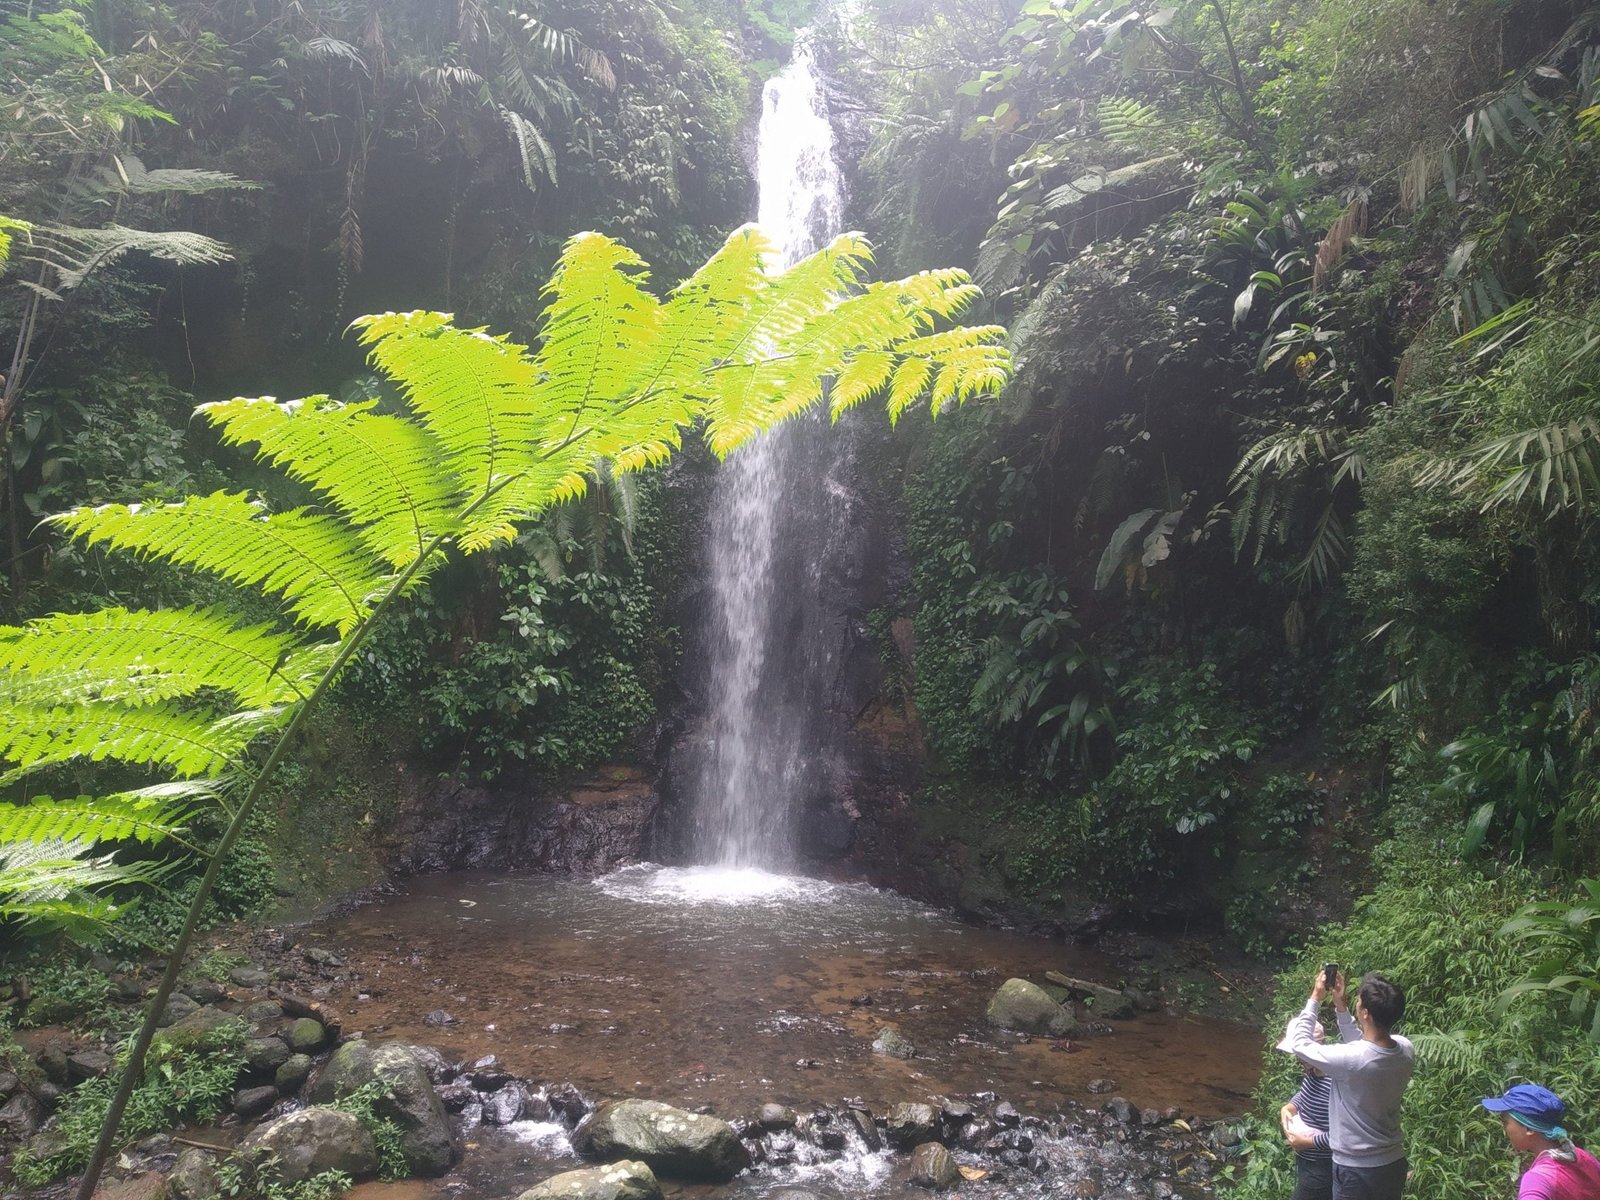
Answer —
203 1029
678 1144
1028 1008
315 1140
411 1103
193 1176
625 1180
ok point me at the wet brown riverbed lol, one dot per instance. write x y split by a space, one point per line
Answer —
731 993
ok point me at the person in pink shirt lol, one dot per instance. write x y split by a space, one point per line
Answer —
1532 1117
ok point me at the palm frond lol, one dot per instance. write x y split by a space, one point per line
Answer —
534 154
1551 467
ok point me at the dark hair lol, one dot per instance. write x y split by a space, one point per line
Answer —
1384 1001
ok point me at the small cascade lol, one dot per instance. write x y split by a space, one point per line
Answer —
776 510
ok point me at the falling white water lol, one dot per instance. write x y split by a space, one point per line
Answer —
756 766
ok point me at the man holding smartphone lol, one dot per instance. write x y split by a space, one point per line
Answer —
1368 1071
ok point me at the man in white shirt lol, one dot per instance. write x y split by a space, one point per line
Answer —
1369 1070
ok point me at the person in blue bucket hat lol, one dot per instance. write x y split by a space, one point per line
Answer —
1532 1117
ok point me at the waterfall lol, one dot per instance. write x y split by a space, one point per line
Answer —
775 506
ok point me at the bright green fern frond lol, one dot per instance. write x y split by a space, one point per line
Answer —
698 325
864 375
482 398
111 819
142 657
383 472
909 380
184 742
316 562
599 326
46 885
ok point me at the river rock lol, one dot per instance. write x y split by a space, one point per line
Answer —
21 1117
205 991
249 977
678 1144
568 1101
315 1140
249 1103
200 1030
1109 1003
505 1105
439 1068
88 1064
291 1073
976 1133
893 1043
307 1035
52 1061
193 1176
413 1104
262 1013
1027 1008
909 1125
456 1096
1006 1115
775 1116
933 1167
866 1127
266 1054
1123 1110
624 1180
177 1007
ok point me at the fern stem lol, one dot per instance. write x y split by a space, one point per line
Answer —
169 980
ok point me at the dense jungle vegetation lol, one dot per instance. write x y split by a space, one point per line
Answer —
1265 591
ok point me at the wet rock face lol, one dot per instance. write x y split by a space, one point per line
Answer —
597 824
675 1143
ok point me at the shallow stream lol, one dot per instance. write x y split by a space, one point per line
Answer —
728 989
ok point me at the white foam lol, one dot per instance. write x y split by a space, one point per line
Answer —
549 1136
648 883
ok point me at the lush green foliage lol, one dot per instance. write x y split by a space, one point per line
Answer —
1563 940
1433 924
193 1082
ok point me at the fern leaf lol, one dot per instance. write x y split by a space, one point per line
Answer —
316 562
110 819
381 471
143 657
86 250
184 742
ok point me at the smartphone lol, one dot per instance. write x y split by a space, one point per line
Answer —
1330 975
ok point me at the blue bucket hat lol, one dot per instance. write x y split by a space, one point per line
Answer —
1537 1108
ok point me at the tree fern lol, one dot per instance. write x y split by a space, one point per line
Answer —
492 435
